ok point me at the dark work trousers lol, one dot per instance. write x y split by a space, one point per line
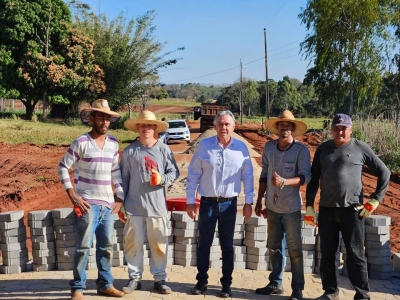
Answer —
210 212
331 220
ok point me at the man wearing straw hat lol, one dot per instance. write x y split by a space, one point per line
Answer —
95 157
147 167
285 167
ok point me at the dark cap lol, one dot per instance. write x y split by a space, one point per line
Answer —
341 120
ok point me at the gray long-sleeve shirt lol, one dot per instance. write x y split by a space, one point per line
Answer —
142 199
338 171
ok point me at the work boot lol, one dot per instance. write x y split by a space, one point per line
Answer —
296 295
161 287
270 289
329 295
112 292
131 286
77 295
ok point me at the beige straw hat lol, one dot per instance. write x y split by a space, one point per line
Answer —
146 117
100 105
286 116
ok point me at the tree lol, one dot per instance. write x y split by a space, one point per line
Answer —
30 32
250 97
127 51
347 43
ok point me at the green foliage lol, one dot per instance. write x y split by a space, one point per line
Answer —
30 36
127 51
348 42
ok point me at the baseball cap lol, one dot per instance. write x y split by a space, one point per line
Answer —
341 120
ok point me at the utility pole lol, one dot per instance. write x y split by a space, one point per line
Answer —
240 95
266 76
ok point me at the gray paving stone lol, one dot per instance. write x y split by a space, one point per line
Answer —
39 215
11 216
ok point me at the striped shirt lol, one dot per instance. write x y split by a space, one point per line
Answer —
95 170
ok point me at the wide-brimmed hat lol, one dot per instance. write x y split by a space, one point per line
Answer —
286 116
100 105
146 117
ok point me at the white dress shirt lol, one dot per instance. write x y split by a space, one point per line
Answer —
215 171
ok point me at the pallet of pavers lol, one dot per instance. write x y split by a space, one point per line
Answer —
185 238
255 240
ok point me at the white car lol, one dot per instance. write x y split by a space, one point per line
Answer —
178 130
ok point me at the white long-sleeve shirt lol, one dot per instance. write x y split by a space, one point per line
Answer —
216 171
95 170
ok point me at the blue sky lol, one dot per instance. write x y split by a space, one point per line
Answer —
217 34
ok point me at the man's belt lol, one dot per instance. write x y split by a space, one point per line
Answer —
219 199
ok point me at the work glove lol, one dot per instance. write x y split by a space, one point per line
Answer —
122 213
310 216
367 209
155 178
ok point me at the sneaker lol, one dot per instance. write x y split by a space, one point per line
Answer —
328 295
161 287
270 289
199 288
131 286
296 295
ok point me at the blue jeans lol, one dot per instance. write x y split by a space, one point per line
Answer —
100 222
332 220
285 228
212 211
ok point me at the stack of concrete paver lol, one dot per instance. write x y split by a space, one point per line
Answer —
308 238
215 251
185 238
43 240
377 247
13 242
255 240
63 220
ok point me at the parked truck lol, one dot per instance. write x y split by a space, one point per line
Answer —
206 113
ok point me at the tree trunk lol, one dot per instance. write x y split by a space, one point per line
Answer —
351 100
30 106
44 99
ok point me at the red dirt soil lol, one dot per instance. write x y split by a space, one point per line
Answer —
29 181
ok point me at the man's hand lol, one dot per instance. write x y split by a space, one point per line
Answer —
116 207
247 211
78 202
310 216
368 208
155 177
191 211
276 179
122 213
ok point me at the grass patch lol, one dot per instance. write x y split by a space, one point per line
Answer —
172 102
19 131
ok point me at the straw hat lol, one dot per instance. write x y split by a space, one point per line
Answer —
100 105
146 117
286 116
